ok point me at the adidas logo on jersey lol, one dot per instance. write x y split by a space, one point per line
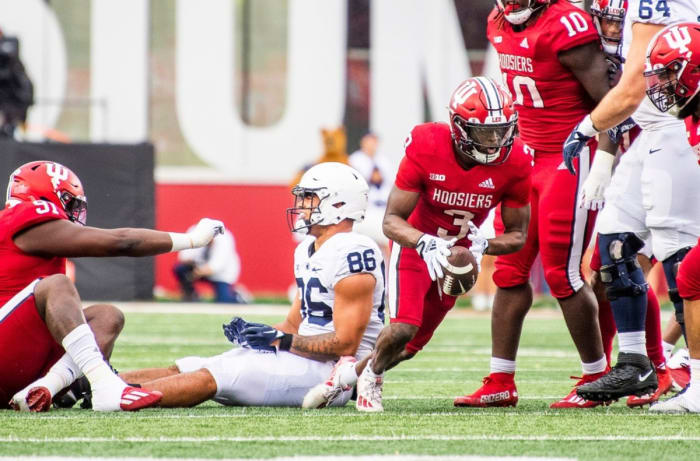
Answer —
487 184
497 39
524 44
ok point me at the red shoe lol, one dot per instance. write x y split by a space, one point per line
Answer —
37 400
574 401
498 391
135 398
665 385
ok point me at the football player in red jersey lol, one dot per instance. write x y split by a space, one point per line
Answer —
673 83
44 336
549 54
450 177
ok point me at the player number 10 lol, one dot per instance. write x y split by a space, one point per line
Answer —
579 24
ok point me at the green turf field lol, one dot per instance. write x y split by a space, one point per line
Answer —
419 416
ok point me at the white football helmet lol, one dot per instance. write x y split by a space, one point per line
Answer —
342 194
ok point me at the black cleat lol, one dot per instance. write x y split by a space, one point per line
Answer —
80 389
633 375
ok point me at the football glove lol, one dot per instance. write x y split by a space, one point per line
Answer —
593 189
203 233
434 252
260 337
576 141
615 133
479 243
232 330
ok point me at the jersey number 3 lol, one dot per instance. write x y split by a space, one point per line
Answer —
461 220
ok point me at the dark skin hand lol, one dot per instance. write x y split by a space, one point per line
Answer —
66 239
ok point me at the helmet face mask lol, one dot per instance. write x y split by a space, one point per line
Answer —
327 194
517 13
664 88
483 121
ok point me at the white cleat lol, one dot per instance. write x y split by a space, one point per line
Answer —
32 398
681 403
369 394
327 393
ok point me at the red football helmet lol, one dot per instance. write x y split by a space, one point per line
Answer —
609 18
52 182
515 13
673 66
483 120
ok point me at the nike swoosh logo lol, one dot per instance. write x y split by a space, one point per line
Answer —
652 151
645 376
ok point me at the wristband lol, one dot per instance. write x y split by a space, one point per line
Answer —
285 342
180 241
586 127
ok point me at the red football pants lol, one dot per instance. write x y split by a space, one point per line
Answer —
27 348
688 278
558 230
413 297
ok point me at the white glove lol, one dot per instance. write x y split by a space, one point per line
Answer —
479 243
434 252
203 233
593 189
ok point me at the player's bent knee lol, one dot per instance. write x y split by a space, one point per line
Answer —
110 318
621 273
672 266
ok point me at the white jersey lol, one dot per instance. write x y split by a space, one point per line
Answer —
662 12
317 272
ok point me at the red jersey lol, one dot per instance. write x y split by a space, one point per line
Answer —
18 269
692 126
549 99
451 196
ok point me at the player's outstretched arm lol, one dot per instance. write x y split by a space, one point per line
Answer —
399 207
66 239
351 313
621 101
515 221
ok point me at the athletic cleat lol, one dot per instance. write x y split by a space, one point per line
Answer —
36 400
498 390
632 375
325 394
665 385
680 377
135 398
680 403
79 390
369 394
572 400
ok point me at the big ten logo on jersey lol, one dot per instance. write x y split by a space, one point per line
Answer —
57 173
463 92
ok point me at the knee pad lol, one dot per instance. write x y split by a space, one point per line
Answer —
671 265
620 271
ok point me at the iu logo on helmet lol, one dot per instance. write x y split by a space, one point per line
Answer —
678 38
57 173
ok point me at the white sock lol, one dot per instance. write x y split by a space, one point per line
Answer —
502 365
633 342
693 390
60 375
80 344
598 366
668 349
348 376
369 372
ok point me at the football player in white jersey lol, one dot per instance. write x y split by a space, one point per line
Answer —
338 310
648 195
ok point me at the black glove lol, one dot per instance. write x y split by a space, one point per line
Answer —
232 330
261 337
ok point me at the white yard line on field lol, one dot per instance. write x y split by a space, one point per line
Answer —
358 438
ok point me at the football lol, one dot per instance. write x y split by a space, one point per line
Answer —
460 273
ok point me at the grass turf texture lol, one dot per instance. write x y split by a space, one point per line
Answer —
419 416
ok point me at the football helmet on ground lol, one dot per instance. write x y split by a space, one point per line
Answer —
340 191
52 182
673 66
516 12
609 17
483 120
